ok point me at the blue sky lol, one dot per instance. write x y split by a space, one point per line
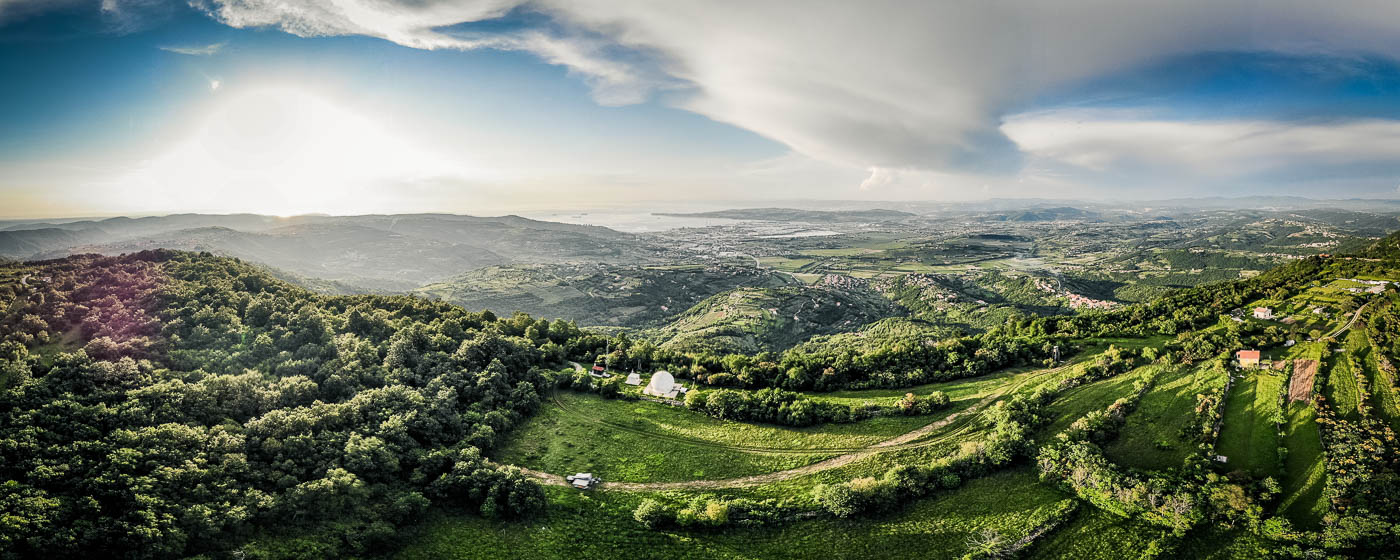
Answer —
134 106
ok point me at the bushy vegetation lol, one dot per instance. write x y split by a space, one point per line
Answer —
1010 422
1180 311
788 408
897 358
704 511
209 402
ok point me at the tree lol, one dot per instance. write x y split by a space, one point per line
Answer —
837 499
987 543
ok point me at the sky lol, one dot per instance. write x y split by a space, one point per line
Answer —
358 106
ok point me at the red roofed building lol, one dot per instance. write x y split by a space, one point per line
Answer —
1247 358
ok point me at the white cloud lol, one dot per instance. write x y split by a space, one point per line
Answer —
867 84
1221 149
195 50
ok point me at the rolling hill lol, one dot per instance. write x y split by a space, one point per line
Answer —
597 294
748 320
386 253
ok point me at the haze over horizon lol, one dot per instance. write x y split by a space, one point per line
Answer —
127 107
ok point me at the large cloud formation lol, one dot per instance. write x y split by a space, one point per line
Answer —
941 95
903 86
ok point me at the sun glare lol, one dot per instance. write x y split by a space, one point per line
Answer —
285 150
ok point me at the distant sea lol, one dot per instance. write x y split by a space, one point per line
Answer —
628 221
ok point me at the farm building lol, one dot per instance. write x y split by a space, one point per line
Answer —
599 371
1247 358
1263 313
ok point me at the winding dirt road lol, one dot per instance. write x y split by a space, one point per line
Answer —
1348 324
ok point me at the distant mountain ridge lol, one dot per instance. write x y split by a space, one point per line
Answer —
381 252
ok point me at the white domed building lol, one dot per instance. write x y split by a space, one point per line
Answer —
663 385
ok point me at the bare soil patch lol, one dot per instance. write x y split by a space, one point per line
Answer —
1301 385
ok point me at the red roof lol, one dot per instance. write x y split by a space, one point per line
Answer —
1247 354
600 368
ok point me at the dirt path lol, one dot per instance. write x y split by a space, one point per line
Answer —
907 440
1349 324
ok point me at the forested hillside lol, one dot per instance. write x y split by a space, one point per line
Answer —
597 294
165 404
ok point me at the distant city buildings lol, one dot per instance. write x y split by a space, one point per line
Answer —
1076 301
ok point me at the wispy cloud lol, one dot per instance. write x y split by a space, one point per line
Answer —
195 50
112 17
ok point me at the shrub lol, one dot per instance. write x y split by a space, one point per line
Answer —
651 514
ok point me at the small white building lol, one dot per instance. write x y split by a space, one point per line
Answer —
582 481
633 379
1263 313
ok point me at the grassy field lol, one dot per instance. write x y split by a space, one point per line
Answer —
1081 400
1342 392
1096 534
1249 437
1304 474
1209 542
785 263
642 441
600 525
1152 437
1384 400
961 391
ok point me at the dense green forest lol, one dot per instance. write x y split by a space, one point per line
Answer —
166 404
